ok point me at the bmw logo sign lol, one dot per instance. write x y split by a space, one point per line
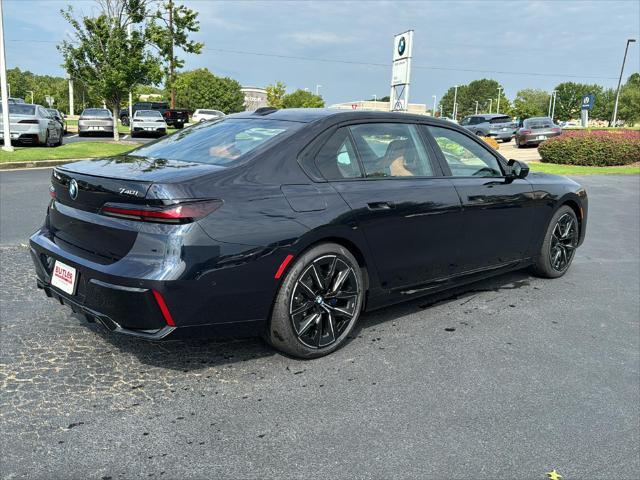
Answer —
402 45
73 189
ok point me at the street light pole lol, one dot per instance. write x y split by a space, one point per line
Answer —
553 108
498 105
615 106
31 92
550 100
476 107
455 100
6 126
434 105
318 87
490 104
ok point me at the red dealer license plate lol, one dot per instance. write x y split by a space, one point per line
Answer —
64 277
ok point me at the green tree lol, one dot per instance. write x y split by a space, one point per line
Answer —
302 99
531 103
169 30
275 94
629 102
477 91
603 105
569 98
104 57
202 89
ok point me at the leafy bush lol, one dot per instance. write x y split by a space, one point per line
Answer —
592 148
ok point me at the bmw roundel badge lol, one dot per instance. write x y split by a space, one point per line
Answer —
402 44
73 189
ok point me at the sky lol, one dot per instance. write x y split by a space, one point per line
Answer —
347 47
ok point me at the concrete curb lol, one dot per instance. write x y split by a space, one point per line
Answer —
38 163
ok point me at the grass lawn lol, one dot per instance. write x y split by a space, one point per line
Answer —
579 170
71 150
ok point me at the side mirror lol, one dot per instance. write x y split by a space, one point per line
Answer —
518 169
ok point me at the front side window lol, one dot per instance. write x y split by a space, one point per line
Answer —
219 143
337 158
465 157
391 150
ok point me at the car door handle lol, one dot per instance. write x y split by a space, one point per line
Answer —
381 205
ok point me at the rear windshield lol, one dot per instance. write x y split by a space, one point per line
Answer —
219 143
538 123
20 109
210 112
148 113
96 112
505 119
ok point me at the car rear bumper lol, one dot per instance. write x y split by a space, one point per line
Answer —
97 128
534 138
24 133
123 296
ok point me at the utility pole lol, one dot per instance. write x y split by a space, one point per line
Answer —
6 126
31 92
130 94
615 106
476 107
498 105
71 94
318 87
171 57
455 99
434 105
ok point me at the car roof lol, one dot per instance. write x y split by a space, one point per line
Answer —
490 115
308 115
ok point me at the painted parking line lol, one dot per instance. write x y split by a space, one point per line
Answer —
72 136
125 137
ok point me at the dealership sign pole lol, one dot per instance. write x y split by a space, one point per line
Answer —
401 72
4 91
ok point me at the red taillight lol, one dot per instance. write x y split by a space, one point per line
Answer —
525 132
29 121
163 308
166 114
183 212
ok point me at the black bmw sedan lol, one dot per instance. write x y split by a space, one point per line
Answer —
290 223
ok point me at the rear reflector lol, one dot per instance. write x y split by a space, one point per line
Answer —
183 212
163 308
283 266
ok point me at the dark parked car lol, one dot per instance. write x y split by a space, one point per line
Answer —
289 223
536 130
498 126
175 118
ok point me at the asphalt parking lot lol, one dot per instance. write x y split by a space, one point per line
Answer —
508 378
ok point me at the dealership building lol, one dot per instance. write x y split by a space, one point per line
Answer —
254 98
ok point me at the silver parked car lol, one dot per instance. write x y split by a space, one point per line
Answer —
32 124
496 125
150 122
203 114
536 130
95 120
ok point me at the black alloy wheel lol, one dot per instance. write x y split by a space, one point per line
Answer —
318 303
564 239
558 248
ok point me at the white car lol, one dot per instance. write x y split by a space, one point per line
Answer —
149 122
32 124
202 115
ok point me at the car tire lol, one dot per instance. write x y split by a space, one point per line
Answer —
179 126
518 143
561 238
124 121
322 279
47 140
60 137
506 140
479 133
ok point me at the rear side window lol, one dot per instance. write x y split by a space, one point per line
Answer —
465 157
337 158
222 143
505 119
391 150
